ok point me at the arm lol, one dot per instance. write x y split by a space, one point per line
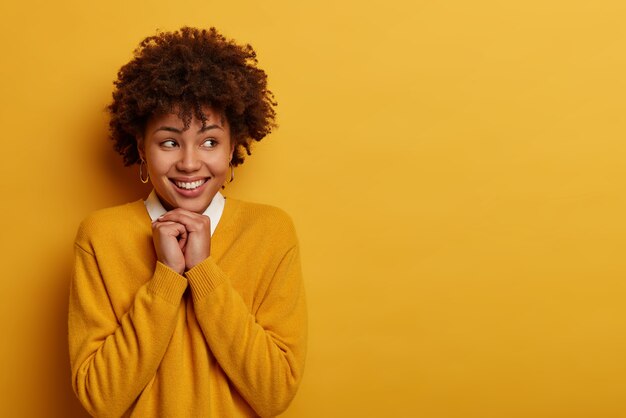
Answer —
262 354
113 361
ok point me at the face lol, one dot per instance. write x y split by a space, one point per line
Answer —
187 167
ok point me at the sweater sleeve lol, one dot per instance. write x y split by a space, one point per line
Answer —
262 353
113 360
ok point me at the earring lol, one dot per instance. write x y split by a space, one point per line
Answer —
141 164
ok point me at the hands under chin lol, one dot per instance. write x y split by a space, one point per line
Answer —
182 239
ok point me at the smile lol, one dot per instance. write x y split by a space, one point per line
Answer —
190 185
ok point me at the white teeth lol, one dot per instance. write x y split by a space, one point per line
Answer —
189 186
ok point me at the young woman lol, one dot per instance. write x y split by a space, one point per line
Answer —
187 304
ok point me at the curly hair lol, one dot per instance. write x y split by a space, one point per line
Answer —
182 71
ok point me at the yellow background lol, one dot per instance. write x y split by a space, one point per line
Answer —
455 171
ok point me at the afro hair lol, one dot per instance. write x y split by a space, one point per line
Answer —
183 71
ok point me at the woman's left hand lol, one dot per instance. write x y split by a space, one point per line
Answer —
198 246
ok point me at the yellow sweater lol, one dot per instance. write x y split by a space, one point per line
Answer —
227 339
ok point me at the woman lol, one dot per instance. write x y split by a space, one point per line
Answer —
187 304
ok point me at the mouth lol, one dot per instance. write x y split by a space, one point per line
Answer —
189 185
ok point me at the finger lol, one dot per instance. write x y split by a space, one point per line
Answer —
182 243
170 228
192 221
183 216
166 225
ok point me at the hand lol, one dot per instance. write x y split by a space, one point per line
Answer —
169 241
198 240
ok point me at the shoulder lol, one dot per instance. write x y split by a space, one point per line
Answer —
104 224
266 219
259 212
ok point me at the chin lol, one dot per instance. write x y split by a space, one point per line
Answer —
198 205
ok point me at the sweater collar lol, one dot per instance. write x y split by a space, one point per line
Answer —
214 211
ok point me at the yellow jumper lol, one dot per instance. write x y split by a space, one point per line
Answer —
226 339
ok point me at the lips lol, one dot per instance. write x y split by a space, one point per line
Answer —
189 184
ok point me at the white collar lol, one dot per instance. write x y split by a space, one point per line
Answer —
214 211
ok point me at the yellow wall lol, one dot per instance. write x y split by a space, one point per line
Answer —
455 170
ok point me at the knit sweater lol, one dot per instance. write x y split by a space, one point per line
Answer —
226 339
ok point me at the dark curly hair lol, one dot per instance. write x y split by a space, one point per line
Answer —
183 71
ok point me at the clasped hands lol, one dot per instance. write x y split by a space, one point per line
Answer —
182 239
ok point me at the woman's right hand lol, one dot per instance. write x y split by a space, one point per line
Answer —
169 241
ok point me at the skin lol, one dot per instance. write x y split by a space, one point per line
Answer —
182 236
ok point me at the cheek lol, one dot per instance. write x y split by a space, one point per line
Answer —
219 169
219 164
158 163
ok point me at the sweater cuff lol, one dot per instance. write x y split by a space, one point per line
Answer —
204 277
167 284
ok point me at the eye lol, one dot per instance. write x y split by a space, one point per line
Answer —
170 143
209 143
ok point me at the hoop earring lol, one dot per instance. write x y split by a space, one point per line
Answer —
141 172
232 172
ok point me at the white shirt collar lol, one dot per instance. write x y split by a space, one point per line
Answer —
214 211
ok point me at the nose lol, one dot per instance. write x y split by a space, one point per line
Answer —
189 160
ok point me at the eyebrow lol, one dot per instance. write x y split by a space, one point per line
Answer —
179 131
209 127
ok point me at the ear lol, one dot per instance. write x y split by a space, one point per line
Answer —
140 147
232 150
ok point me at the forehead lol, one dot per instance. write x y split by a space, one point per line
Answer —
212 117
